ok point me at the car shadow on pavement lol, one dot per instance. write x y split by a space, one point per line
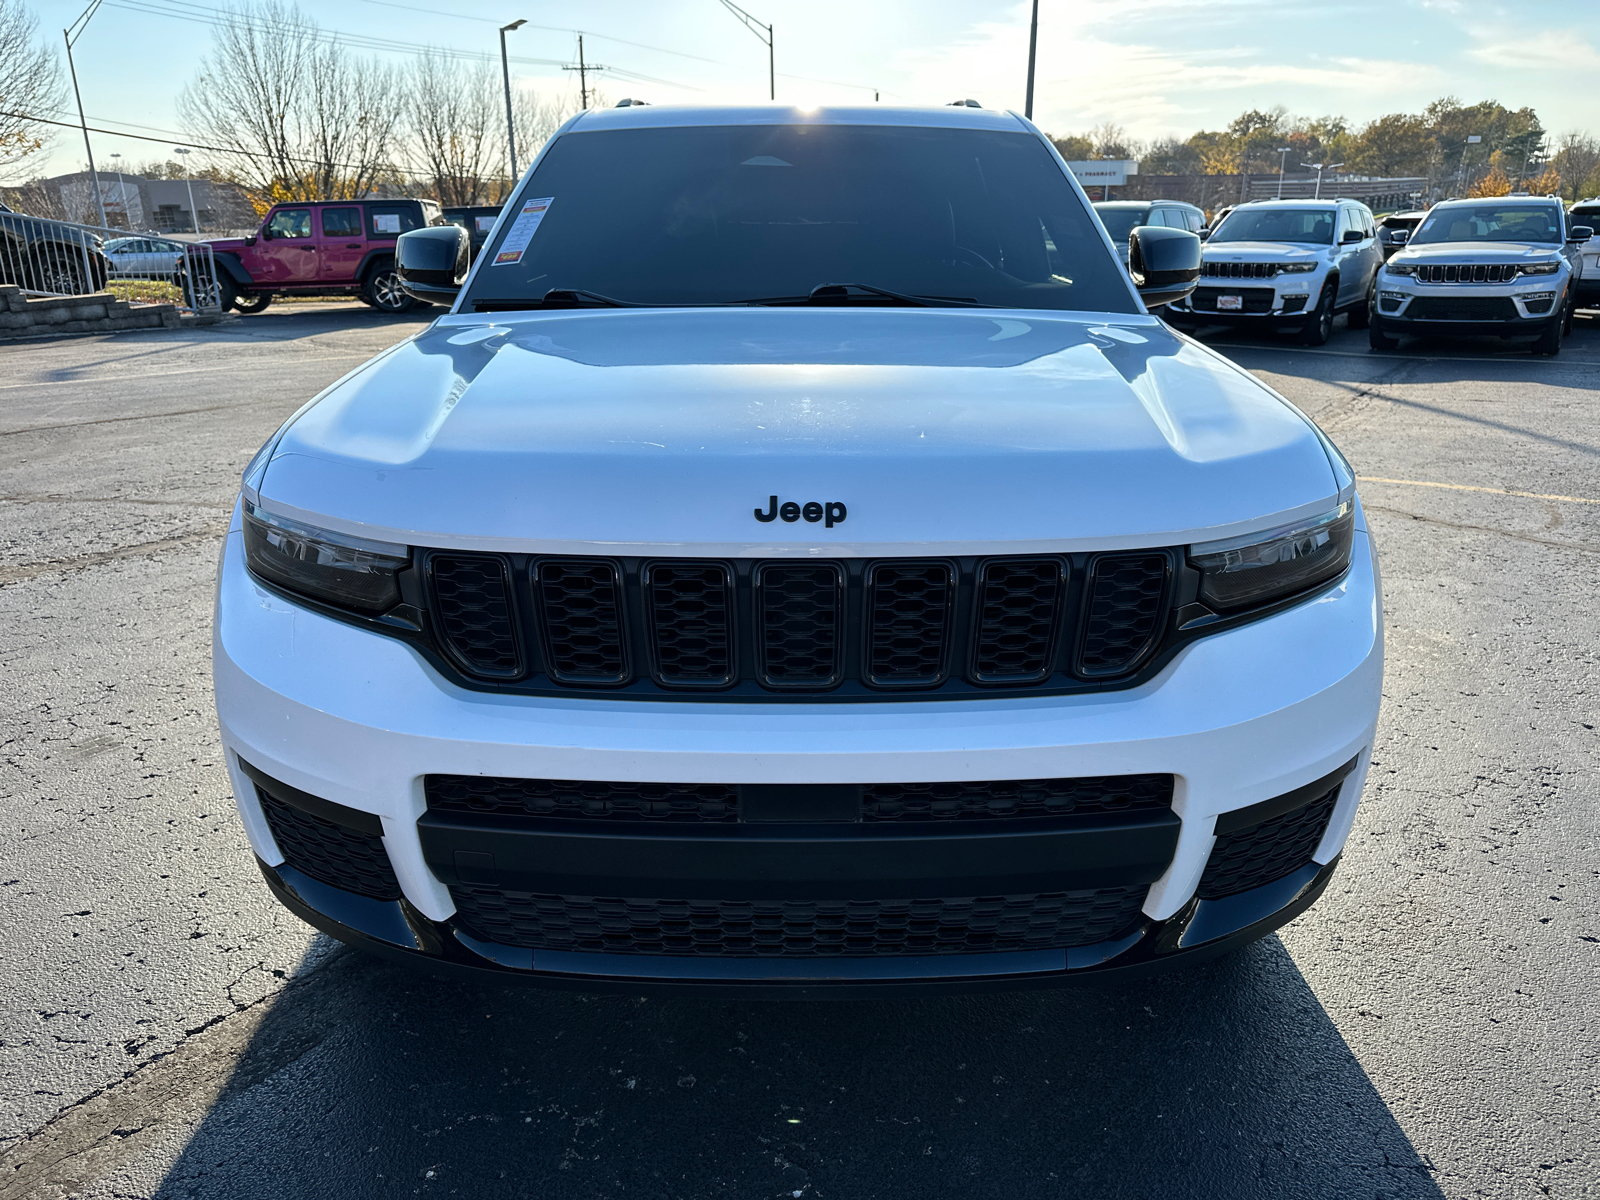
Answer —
1226 1080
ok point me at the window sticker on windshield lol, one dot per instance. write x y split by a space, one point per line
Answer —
485 224
522 231
386 222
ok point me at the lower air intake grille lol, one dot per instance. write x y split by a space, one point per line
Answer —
1124 612
340 857
580 606
908 609
1015 798
1253 299
691 623
1262 853
1462 308
583 799
784 928
472 599
801 622
1018 611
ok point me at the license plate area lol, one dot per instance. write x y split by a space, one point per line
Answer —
1230 303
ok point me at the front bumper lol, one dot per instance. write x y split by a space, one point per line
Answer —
1469 309
348 724
1273 300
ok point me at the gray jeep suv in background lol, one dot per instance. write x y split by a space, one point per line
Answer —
1509 266
1286 263
1122 217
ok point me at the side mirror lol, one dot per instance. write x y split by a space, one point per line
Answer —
1352 235
1399 237
432 262
1164 263
1580 233
250 240
1205 233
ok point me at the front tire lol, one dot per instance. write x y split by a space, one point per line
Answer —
251 303
1361 314
1549 342
1319 325
1378 340
384 293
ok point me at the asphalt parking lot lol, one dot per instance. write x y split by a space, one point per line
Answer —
1429 1029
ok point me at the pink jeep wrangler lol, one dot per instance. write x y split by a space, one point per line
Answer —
322 247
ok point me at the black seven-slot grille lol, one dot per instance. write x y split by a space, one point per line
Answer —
994 799
1466 272
1240 270
760 928
787 627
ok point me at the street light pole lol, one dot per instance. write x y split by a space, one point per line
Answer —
1283 157
505 71
80 25
764 32
122 193
194 213
1033 49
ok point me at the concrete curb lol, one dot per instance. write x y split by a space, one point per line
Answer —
45 316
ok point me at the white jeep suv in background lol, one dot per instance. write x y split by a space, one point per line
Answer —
800 561
1507 266
1286 263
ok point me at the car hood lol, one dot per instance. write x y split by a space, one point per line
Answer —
663 431
1478 252
237 243
1240 251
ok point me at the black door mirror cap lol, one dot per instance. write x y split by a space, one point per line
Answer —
1163 263
432 261
1580 233
1352 235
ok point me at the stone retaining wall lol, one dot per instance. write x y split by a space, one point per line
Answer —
30 316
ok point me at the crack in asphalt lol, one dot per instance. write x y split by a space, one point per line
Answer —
1506 533
25 571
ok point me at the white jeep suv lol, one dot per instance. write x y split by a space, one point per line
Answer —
1286 263
798 561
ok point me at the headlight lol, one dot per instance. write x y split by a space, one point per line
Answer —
1261 567
1296 268
1395 268
346 571
1541 268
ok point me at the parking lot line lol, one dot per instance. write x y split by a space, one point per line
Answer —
1462 487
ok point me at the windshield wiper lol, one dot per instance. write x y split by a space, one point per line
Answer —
556 298
835 293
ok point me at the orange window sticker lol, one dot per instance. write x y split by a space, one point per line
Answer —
522 231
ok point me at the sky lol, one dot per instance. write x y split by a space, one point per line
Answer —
1155 67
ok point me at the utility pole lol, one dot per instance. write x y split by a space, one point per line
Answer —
511 124
188 182
583 70
1283 157
122 193
764 33
68 33
1033 48
1465 146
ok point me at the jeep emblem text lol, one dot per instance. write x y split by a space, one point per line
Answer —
831 513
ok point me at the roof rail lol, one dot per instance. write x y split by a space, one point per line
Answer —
963 104
626 102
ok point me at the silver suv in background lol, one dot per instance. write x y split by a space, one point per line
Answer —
1122 217
1508 267
1286 263
1587 214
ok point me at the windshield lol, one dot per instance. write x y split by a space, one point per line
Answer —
732 214
1589 216
1120 222
1491 223
1312 226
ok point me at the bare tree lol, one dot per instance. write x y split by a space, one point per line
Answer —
30 83
310 120
457 124
536 118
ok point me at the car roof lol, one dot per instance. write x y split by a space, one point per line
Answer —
643 116
1292 203
1518 201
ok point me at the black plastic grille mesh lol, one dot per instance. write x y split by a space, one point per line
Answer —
1240 270
1462 308
691 622
340 857
785 928
909 610
1254 299
1123 612
1018 609
1262 853
583 799
473 602
580 601
801 624
1015 798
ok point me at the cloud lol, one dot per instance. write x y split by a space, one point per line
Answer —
1552 50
